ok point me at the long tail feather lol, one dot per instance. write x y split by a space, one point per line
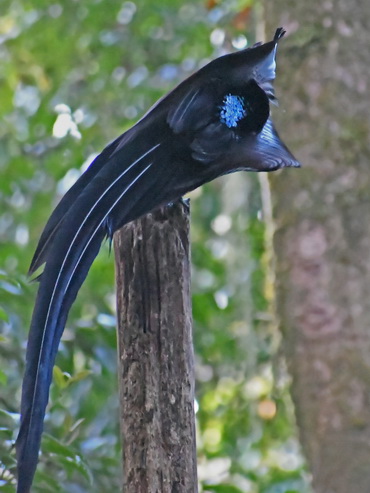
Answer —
41 353
111 194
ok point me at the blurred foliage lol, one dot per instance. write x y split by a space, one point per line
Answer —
73 76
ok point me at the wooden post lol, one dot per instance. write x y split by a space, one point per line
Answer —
156 370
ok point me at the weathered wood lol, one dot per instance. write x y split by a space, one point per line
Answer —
322 238
156 376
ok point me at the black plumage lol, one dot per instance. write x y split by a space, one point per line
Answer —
215 122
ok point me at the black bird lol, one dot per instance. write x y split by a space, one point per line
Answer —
215 122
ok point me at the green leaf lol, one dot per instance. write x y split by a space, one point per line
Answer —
7 488
3 378
67 456
10 417
78 466
61 378
221 488
3 315
81 375
54 446
45 482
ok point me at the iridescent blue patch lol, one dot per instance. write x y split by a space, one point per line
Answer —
232 110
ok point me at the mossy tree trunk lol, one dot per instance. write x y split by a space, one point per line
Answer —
322 236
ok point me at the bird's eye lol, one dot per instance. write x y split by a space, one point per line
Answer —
233 109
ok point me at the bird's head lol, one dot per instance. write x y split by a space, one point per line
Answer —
243 83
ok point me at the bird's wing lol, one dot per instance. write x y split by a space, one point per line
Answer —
195 108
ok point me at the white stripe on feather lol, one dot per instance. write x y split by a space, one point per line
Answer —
181 110
69 249
187 104
101 222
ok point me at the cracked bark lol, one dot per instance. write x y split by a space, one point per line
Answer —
155 353
322 237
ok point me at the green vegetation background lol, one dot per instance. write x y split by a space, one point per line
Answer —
73 76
